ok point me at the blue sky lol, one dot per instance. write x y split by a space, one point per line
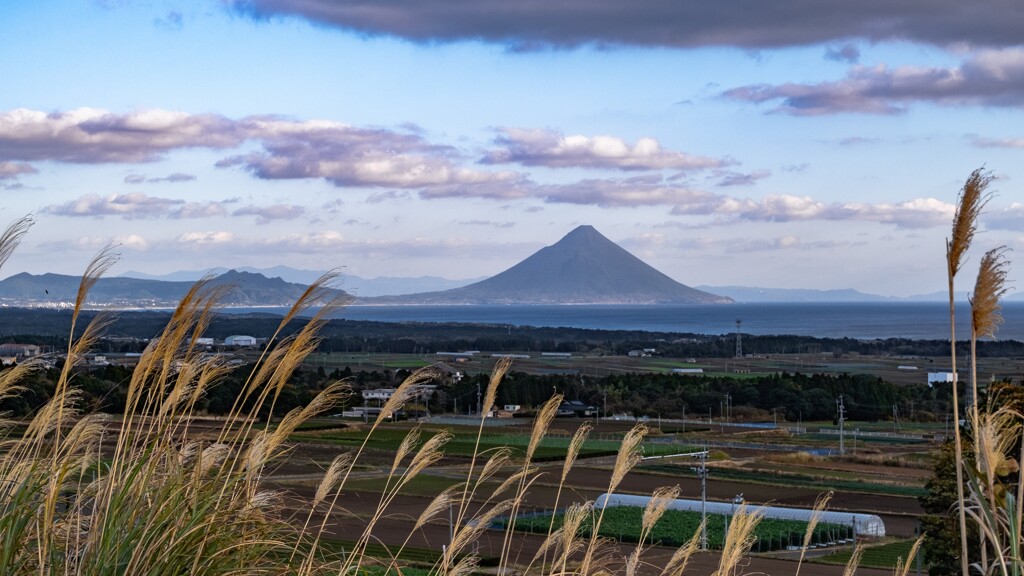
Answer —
803 146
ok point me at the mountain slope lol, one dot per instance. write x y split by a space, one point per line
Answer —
584 267
243 289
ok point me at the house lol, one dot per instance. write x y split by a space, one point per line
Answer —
576 408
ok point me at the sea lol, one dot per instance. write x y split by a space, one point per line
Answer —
862 320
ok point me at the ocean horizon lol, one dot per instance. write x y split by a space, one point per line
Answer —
860 320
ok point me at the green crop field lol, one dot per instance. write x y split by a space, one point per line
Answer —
464 443
676 527
882 556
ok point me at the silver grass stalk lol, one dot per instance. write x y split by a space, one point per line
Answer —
12 236
972 199
812 523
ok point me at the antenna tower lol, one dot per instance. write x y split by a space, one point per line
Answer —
841 408
739 339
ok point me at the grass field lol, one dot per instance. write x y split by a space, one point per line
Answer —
796 480
464 442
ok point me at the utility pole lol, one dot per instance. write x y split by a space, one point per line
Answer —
728 407
842 417
479 405
702 472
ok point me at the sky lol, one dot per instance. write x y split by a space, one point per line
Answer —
789 144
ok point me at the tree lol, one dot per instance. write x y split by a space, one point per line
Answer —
939 524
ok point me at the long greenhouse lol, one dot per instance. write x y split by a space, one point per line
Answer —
863 524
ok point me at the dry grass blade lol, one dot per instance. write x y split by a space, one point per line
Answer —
812 523
677 564
575 445
12 236
972 200
629 455
405 392
9 378
470 531
500 369
428 455
323 292
405 447
99 266
903 566
989 288
331 477
995 436
853 562
465 566
574 518
656 507
512 480
440 502
738 540
540 425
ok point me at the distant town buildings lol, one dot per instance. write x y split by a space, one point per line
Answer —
19 350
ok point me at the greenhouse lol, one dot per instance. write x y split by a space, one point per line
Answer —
863 524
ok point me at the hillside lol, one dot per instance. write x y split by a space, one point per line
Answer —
56 290
584 267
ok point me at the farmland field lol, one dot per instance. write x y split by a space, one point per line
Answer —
677 527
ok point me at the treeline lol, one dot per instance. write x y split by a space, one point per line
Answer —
105 390
131 330
791 396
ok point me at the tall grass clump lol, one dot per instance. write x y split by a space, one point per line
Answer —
972 199
147 492
157 491
987 496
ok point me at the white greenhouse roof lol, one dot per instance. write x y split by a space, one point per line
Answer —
865 524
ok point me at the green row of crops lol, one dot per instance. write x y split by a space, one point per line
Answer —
676 527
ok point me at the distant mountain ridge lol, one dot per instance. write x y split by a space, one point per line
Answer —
242 289
355 285
583 267
755 294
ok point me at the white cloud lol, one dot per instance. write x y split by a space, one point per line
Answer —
89 136
555 150
11 170
265 214
989 78
206 238
134 205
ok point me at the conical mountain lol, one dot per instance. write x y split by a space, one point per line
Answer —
584 267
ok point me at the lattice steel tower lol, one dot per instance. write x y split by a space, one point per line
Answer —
739 339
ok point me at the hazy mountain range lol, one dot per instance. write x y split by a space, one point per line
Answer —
584 267
355 285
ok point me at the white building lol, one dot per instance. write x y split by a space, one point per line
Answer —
940 377
383 394
240 341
